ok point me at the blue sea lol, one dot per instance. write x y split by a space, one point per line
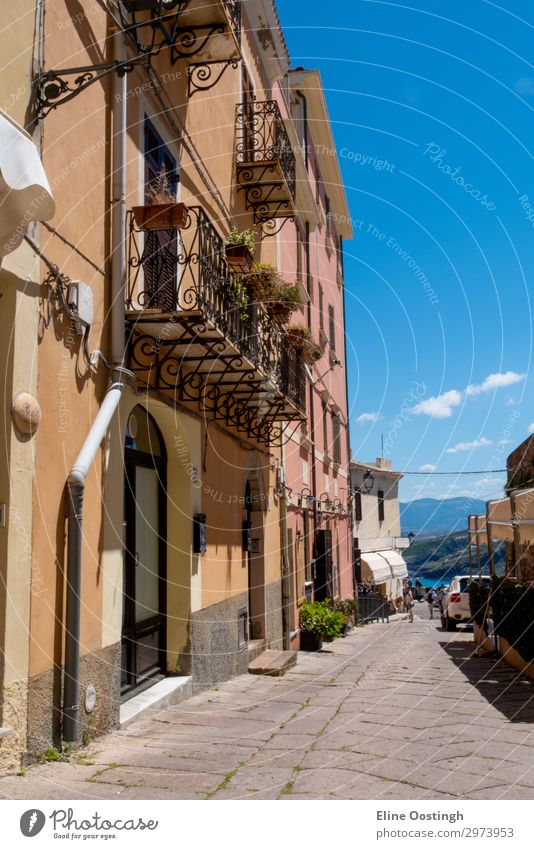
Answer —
431 582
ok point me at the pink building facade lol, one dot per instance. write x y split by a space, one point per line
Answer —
316 457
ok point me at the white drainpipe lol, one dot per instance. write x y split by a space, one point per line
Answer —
85 459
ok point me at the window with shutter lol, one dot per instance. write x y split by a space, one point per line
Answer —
161 246
336 438
357 506
381 515
332 327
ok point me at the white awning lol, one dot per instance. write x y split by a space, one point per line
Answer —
25 194
398 566
375 569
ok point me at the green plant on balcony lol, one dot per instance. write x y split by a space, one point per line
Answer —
302 339
239 249
241 296
279 297
160 210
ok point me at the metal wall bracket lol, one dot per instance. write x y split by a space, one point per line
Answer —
272 226
206 75
54 87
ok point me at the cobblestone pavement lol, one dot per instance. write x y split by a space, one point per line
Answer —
398 711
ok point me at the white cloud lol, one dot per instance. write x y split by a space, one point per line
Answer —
495 381
367 417
531 428
440 406
427 467
469 446
484 488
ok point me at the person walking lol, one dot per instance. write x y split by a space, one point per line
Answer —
430 598
408 603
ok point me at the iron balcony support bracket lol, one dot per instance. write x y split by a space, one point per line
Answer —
205 76
54 87
192 40
271 226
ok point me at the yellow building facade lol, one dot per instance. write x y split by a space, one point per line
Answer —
144 538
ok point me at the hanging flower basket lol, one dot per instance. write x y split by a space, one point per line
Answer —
161 216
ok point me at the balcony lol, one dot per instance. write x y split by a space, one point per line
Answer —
265 160
209 32
203 32
193 339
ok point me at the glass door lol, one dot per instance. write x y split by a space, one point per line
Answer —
143 639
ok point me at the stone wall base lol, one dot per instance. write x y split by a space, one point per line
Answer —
102 669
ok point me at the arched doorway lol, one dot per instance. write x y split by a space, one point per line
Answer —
143 622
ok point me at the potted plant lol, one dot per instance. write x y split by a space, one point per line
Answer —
301 338
279 297
348 607
160 210
239 250
319 622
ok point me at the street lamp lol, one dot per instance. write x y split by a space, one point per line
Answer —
368 481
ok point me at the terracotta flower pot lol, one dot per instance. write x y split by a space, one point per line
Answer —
161 216
238 258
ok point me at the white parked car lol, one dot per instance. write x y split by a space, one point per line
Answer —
455 603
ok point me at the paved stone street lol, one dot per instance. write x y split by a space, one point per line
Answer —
398 711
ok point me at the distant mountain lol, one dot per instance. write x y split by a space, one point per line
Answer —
430 517
443 557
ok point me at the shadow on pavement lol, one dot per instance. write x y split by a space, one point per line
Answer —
501 685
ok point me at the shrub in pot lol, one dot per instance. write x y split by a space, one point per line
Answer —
239 250
319 622
301 338
349 608
279 297
160 210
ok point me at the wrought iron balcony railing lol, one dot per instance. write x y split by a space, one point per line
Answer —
266 165
195 336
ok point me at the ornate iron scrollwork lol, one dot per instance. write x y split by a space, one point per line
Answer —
53 87
272 226
158 18
266 164
203 77
194 341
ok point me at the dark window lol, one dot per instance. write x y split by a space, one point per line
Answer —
325 428
380 505
336 438
329 220
357 507
248 116
299 254
321 307
332 327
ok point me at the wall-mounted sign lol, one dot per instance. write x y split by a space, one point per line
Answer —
199 533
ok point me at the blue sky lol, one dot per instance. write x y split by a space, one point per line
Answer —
432 105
